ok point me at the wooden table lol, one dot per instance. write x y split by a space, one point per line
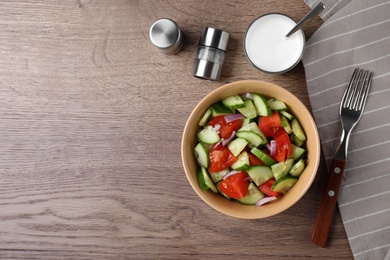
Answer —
91 117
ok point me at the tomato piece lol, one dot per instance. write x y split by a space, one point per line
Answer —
235 186
271 125
226 129
266 188
220 158
283 147
236 124
217 159
231 159
254 160
218 120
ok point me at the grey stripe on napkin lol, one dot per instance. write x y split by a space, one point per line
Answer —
356 34
331 6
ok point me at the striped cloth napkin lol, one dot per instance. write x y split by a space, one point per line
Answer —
355 33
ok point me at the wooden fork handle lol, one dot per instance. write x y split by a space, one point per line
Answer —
328 203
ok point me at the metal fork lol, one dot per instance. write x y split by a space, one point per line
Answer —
351 110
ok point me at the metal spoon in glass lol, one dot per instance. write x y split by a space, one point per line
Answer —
313 13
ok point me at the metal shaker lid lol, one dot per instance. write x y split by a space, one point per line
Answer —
166 35
214 38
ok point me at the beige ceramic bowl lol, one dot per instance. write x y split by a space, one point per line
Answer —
234 208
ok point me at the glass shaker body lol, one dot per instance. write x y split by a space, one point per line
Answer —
210 54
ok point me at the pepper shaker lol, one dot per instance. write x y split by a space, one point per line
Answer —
210 54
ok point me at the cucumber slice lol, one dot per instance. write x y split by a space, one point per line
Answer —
289 164
276 105
287 114
297 130
218 109
253 139
286 124
205 118
233 102
296 152
261 105
296 140
201 180
260 174
218 176
242 162
208 135
253 195
237 145
245 121
277 170
282 168
249 111
207 180
253 127
297 168
262 156
284 184
202 155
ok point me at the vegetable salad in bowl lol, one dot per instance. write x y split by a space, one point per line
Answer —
251 149
248 144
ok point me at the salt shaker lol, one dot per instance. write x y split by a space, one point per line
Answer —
165 34
210 54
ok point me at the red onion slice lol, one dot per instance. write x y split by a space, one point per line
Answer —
248 178
230 174
272 147
217 127
264 200
248 95
227 141
231 117
216 145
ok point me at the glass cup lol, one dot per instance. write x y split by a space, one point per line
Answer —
268 49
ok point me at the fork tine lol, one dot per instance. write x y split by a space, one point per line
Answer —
357 90
365 89
360 91
345 101
356 93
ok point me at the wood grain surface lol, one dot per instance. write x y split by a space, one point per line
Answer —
91 117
